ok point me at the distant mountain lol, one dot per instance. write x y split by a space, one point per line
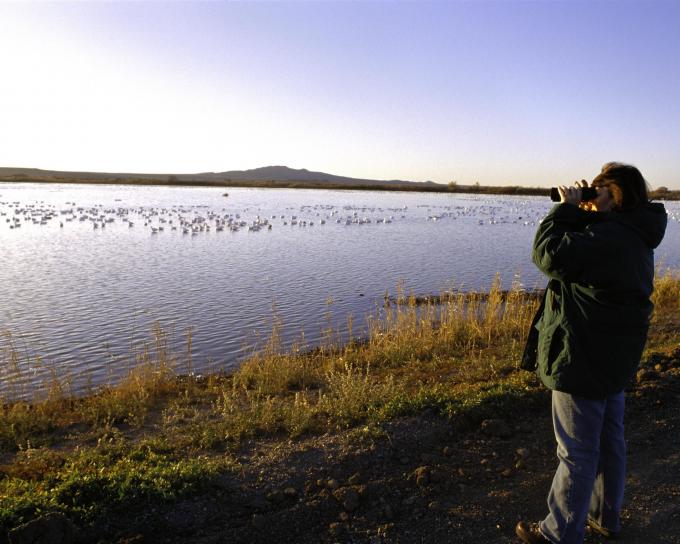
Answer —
264 174
283 173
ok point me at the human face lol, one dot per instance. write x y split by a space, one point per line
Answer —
604 201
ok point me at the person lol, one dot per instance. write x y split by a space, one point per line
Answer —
587 340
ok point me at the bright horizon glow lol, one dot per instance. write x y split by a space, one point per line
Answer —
500 93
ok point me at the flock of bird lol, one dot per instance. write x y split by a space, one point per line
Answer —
194 220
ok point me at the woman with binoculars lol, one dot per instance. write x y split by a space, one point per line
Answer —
587 340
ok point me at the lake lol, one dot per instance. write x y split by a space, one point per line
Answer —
87 270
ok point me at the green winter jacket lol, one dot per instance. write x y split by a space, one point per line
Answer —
588 336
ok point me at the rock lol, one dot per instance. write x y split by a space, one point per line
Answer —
497 428
506 473
332 484
48 529
522 453
343 516
348 498
422 476
290 492
336 528
275 496
311 488
447 451
382 534
354 479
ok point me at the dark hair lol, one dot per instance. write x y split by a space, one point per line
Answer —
626 185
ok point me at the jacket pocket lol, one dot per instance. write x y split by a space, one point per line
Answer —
551 348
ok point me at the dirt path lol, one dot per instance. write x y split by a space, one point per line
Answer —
422 480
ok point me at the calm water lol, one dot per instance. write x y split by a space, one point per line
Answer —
82 287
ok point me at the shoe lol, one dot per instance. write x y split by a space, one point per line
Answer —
530 534
595 527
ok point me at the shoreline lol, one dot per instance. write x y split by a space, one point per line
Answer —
481 190
417 430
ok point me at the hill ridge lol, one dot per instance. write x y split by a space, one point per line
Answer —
278 173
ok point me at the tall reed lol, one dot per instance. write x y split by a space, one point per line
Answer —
155 433
451 340
666 295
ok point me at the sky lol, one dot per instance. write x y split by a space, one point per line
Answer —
533 93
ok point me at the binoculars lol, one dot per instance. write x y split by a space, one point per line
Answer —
587 193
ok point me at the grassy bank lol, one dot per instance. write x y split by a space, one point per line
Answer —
194 181
158 436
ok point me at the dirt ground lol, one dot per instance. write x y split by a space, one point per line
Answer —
425 479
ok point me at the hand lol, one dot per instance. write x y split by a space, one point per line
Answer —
586 205
572 195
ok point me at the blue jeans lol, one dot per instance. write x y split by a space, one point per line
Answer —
590 478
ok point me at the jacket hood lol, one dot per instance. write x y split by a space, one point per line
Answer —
648 221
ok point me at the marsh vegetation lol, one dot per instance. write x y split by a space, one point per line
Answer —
164 432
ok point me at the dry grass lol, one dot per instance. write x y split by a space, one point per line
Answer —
466 339
666 296
458 357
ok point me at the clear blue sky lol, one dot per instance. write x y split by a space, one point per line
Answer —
529 93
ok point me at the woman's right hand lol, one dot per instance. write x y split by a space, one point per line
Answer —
572 195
